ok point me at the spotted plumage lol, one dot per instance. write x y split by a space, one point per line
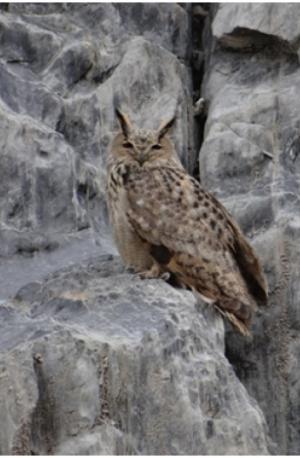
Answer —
164 222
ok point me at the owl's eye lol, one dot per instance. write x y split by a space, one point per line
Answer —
157 146
128 145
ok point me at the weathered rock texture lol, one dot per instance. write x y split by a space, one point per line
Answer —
96 361
250 159
60 67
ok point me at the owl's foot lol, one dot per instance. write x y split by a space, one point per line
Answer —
154 272
129 270
165 276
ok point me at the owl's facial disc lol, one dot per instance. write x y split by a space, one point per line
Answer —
141 144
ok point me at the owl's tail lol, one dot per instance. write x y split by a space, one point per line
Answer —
237 307
240 318
236 322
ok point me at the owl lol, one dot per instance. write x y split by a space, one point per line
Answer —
165 223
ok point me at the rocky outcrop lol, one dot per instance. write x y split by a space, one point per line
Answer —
60 67
97 361
250 160
93 360
255 26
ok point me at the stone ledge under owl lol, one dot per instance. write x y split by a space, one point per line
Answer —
95 360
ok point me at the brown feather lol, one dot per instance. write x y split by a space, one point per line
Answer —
224 269
248 262
164 221
250 269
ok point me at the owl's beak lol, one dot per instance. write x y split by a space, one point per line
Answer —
142 158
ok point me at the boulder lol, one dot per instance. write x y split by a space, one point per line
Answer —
250 160
246 25
96 361
61 66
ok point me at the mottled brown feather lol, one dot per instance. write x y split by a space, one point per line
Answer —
164 221
209 252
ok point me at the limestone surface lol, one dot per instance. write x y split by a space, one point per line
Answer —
92 359
250 159
61 65
96 361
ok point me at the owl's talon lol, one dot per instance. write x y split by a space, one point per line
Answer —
129 270
165 276
153 273
147 275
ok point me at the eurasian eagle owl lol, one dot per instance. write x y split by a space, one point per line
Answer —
165 223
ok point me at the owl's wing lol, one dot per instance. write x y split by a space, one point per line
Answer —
193 236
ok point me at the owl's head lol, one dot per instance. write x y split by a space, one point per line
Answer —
141 145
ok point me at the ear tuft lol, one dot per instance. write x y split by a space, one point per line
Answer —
124 121
165 126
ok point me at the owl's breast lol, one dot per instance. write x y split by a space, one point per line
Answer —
133 250
117 196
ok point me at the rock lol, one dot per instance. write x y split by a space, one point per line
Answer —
198 10
262 21
97 361
250 160
60 68
93 360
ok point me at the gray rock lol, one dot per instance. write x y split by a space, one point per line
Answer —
60 67
92 360
250 160
97 361
274 19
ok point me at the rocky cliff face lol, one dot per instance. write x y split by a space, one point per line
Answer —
94 360
61 66
250 160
